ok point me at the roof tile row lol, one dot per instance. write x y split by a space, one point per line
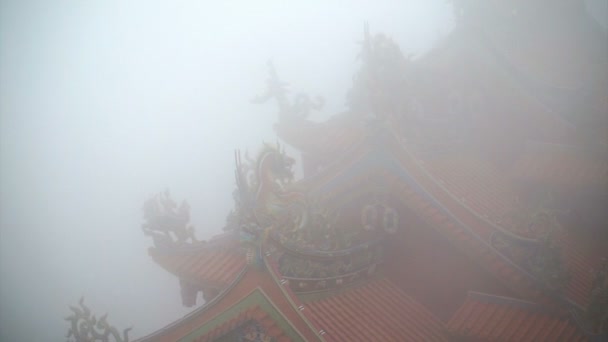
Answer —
476 182
555 165
490 190
491 318
376 311
213 266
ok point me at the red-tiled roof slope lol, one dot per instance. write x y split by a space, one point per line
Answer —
328 138
581 260
486 193
468 230
491 318
477 183
214 264
376 311
561 165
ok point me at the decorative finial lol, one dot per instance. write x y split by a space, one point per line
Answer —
302 103
274 89
166 222
84 327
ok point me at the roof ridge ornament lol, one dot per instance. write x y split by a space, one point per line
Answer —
300 105
374 93
85 327
167 223
275 88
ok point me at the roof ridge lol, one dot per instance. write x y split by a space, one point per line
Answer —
376 310
494 317
287 294
196 312
218 242
497 299
597 151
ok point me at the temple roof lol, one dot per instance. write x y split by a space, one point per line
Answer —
485 317
455 196
463 169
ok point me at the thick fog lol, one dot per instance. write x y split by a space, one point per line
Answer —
104 103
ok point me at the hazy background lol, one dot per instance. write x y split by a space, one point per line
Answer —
104 103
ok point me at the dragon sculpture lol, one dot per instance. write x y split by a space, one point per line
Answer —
262 201
266 204
262 198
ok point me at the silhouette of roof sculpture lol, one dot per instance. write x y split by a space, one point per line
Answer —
446 203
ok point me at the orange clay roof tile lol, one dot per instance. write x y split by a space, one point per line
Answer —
481 187
561 165
494 318
376 311
213 265
488 194
580 261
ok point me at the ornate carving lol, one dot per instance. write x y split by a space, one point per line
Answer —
531 221
261 197
517 251
547 265
263 202
379 214
266 206
84 327
301 104
253 332
542 258
379 84
167 223
390 220
296 266
275 88
319 234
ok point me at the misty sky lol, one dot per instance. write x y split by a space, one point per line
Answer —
104 103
